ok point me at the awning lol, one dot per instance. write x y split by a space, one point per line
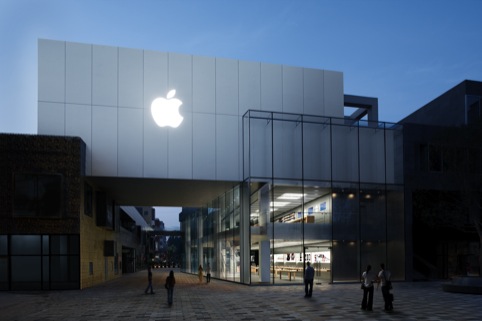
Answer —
136 216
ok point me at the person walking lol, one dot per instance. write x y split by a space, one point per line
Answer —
384 279
149 281
367 285
208 273
200 273
170 282
309 276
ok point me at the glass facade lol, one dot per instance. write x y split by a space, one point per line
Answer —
39 262
318 189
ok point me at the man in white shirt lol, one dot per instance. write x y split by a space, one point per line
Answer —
384 278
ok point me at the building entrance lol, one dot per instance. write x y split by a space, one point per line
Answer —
320 258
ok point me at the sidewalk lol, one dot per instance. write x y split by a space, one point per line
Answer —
124 299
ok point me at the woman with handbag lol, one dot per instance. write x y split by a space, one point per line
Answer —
367 285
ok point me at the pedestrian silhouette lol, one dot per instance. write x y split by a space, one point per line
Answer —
309 276
149 281
208 273
170 282
200 273
384 279
367 286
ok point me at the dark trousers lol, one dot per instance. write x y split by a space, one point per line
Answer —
387 297
308 287
149 286
367 302
208 277
170 294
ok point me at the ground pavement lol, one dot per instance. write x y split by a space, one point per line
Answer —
124 299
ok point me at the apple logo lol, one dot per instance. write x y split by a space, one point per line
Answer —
165 111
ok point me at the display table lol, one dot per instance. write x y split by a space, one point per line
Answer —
291 273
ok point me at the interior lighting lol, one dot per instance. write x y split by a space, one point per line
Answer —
291 196
351 195
281 204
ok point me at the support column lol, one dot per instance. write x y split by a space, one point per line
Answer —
264 244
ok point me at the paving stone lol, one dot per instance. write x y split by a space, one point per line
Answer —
124 299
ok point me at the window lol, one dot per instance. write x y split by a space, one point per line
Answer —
38 195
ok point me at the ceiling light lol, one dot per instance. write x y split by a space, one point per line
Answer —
278 204
291 196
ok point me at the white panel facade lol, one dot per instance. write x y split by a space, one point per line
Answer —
51 71
155 138
180 79
204 149
333 94
204 85
227 151
130 135
249 86
180 149
227 89
155 77
103 94
292 90
105 76
78 83
155 148
51 118
104 141
313 93
78 122
271 87
130 78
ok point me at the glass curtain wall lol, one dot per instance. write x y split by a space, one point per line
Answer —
213 237
324 190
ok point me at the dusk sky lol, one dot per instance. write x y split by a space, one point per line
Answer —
404 52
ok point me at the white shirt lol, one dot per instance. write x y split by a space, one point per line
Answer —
368 278
384 275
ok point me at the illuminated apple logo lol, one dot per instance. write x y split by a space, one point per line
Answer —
165 111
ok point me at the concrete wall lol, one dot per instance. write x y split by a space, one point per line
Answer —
103 94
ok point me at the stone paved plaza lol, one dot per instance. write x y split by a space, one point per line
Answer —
124 299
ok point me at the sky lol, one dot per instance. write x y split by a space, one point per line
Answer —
403 52
170 217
